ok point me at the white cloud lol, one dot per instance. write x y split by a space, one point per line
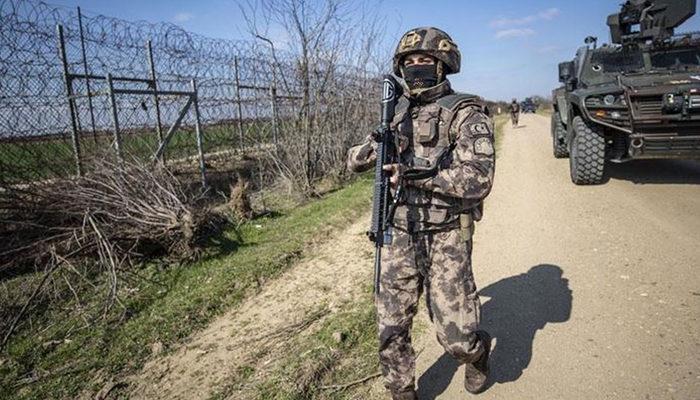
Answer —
183 17
546 15
549 14
512 33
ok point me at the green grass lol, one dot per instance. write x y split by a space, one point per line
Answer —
172 303
499 122
53 158
545 111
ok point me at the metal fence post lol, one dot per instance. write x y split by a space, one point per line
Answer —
238 101
87 76
115 118
71 102
273 100
156 100
200 136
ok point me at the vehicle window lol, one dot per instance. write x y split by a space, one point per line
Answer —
676 58
621 60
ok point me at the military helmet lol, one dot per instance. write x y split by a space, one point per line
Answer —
431 41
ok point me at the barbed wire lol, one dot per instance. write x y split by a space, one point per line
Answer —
233 80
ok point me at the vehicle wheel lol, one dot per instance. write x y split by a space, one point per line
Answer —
558 137
586 154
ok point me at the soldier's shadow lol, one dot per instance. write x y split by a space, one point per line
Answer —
518 307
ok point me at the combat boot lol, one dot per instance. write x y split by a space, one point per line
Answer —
476 374
408 395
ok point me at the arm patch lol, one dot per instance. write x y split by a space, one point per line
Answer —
483 146
479 129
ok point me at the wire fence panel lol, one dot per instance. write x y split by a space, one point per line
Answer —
59 112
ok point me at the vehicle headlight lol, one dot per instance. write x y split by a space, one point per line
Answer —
673 103
609 100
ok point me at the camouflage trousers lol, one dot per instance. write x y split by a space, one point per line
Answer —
440 264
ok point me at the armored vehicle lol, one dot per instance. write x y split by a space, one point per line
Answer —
638 97
528 105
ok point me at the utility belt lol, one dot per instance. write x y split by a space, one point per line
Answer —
465 222
420 210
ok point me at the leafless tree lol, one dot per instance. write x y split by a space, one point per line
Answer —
327 40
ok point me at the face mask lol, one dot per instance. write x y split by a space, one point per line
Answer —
421 76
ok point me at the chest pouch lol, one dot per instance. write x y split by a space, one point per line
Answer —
428 127
423 168
428 135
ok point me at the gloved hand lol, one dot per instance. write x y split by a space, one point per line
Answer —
395 171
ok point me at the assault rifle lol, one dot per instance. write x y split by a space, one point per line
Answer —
384 205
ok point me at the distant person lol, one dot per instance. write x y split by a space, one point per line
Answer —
450 137
514 109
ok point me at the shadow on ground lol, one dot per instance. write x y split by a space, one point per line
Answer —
517 308
229 239
655 171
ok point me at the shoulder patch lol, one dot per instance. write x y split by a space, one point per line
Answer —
483 146
479 129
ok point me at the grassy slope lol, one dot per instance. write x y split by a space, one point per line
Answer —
176 301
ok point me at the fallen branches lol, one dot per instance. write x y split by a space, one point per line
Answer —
134 208
107 222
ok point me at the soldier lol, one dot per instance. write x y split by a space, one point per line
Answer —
451 136
514 109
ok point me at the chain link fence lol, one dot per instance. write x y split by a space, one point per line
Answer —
76 87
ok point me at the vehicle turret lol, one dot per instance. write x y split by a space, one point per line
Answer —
642 20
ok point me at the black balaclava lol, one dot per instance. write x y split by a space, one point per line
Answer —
420 77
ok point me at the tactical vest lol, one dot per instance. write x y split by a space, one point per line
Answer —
431 131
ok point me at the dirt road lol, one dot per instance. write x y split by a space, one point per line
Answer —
590 292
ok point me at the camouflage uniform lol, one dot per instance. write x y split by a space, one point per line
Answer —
514 109
433 226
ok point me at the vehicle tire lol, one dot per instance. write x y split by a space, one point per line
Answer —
586 154
558 137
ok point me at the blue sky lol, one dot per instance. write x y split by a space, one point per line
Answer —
509 49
